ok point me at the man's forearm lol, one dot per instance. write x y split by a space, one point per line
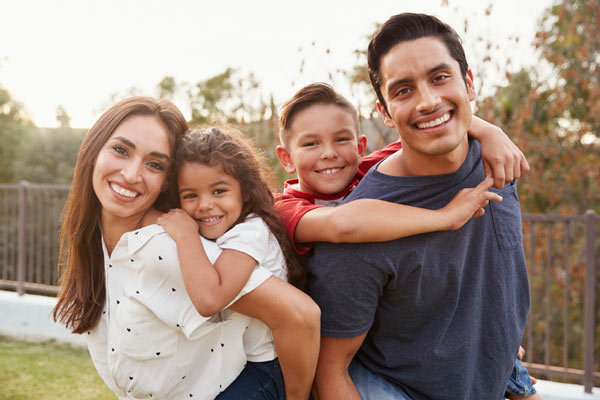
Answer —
334 386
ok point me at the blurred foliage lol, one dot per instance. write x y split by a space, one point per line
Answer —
48 155
556 118
13 126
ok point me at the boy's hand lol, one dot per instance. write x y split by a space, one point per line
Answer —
178 224
502 159
469 203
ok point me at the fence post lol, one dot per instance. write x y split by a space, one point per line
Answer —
21 238
589 302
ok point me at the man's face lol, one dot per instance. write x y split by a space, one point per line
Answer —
427 100
324 149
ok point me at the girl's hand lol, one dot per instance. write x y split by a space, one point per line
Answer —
469 203
178 224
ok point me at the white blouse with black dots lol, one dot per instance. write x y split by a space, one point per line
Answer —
151 343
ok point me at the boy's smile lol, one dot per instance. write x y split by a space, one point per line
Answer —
324 150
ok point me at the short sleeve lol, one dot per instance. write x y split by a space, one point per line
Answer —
250 237
291 209
368 161
346 287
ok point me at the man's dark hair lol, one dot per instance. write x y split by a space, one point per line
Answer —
405 27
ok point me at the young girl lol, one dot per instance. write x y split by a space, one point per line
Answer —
223 191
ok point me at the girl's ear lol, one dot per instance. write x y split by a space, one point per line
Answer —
285 159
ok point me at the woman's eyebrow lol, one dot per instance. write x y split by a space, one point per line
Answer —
129 143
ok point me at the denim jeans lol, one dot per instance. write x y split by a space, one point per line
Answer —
519 382
374 387
258 380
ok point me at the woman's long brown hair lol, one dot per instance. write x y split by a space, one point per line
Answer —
81 262
240 158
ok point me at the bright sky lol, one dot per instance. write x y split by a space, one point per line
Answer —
77 53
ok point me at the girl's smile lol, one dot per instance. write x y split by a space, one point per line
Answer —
210 196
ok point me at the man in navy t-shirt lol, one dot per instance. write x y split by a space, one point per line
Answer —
437 315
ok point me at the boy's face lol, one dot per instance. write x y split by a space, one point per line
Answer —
426 96
324 150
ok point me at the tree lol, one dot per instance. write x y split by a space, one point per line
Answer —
13 125
62 117
48 155
556 119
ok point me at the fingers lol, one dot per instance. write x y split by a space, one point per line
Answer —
521 353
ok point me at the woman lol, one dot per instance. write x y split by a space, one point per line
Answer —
119 188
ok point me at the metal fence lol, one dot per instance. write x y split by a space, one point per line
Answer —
561 256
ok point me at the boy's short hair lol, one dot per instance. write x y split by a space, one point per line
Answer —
310 95
405 27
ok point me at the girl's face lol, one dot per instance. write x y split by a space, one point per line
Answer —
131 168
210 196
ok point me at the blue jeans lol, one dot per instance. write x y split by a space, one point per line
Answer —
519 382
374 387
258 380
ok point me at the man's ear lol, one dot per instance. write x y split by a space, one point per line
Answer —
387 121
470 85
362 145
285 160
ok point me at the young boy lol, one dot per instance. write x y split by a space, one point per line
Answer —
321 142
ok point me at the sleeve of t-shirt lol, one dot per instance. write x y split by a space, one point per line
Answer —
368 161
291 209
346 287
250 237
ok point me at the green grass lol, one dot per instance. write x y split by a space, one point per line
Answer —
48 371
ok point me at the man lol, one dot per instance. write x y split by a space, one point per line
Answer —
438 315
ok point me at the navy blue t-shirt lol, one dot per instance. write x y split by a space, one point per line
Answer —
445 311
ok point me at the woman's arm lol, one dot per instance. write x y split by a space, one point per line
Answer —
295 320
211 288
501 158
369 220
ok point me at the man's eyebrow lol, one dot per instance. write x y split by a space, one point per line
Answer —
129 143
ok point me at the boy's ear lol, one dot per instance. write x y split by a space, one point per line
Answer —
387 121
362 145
285 160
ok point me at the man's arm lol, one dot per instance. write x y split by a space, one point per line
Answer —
332 379
502 159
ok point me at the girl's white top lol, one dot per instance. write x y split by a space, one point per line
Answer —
151 343
254 238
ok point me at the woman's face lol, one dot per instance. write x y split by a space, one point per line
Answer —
131 168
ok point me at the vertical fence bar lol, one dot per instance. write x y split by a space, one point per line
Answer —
22 207
566 297
589 311
547 295
530 317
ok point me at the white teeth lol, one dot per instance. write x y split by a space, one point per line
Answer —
123 191
212 219
435 122
329 171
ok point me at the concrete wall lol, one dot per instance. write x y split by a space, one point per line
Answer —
29 318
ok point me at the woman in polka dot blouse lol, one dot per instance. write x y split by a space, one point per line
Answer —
121 284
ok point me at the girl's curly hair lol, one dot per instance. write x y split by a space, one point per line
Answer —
239 157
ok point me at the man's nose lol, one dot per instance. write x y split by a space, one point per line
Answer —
428 99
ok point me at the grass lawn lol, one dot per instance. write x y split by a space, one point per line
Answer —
48 371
